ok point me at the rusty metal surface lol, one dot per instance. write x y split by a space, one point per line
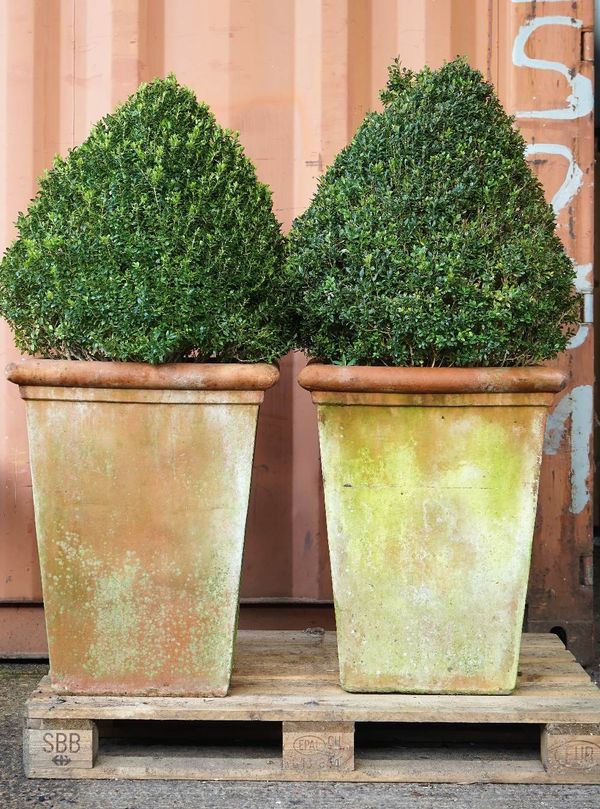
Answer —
545 79
295 77
430 516
23 631
140 511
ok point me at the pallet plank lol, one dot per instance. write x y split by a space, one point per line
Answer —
60 746
417 769
291 677
572 749
318 746
340 707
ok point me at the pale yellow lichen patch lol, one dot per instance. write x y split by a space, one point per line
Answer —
430 514
140 512
117 620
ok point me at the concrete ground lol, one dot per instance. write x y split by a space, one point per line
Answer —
17 680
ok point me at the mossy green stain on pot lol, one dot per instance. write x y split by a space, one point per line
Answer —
140 514
430 514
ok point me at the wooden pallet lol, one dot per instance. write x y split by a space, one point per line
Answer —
290 678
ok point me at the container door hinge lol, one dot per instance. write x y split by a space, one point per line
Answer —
586 570
587 45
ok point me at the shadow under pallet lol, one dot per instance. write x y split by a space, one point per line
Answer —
287 719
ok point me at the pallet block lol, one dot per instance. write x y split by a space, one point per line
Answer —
292 678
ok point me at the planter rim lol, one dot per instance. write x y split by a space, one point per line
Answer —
140 375
385 379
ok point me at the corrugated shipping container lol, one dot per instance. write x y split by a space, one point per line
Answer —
295 77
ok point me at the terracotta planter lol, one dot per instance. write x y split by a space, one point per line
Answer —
431 479
141 476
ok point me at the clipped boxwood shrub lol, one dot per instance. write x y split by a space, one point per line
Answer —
429 241
152 241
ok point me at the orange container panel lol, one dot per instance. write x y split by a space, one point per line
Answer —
295 77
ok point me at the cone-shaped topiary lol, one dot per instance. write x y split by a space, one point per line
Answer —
429 241
152 241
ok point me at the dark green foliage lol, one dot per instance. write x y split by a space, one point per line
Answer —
152 241
429 241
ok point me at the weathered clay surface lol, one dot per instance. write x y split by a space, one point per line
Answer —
430 514
381 379
140 515
176 376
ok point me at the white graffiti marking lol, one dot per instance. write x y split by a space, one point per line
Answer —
576 406
579 338
573 178
581 99
585 285
583 280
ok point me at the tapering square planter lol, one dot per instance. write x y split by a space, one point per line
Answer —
431 480
141 476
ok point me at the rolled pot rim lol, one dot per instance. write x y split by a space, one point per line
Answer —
144 376
317 376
